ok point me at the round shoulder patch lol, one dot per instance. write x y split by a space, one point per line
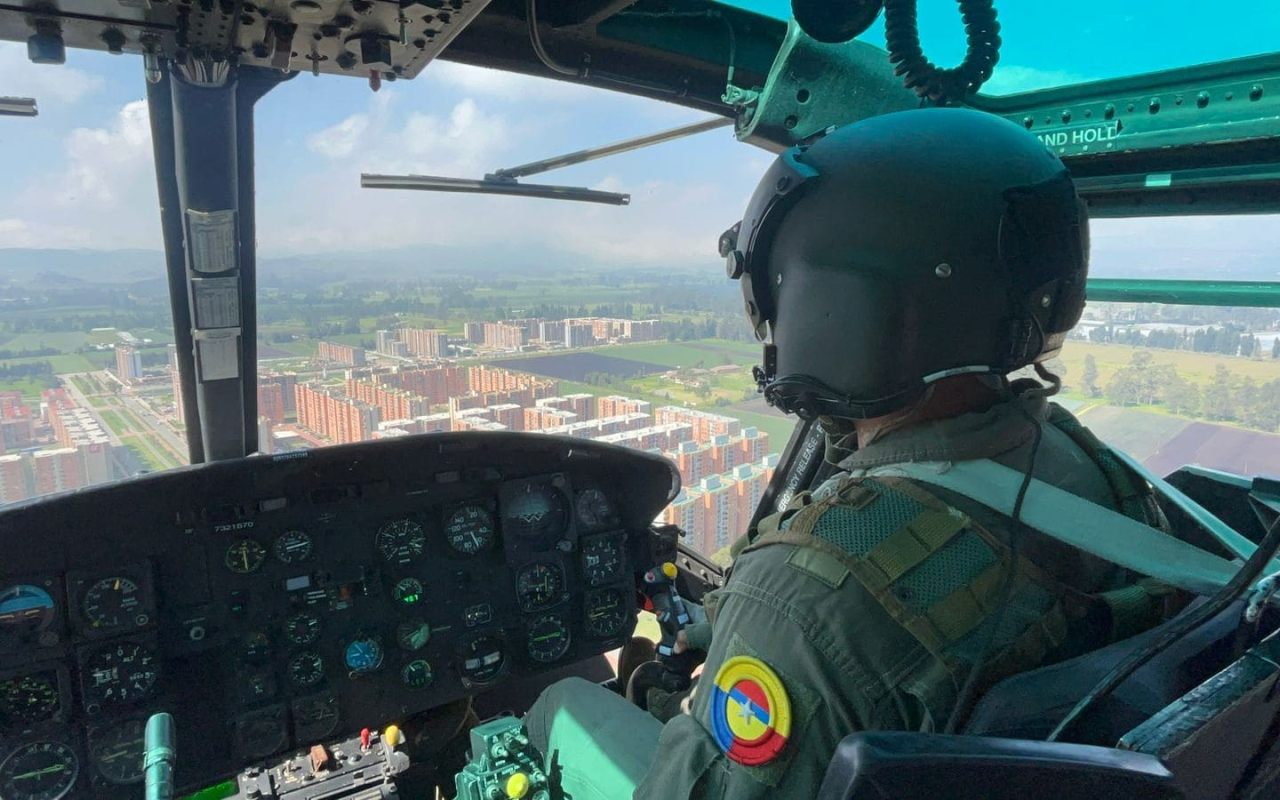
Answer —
750 711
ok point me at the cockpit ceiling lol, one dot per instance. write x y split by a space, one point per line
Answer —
390 39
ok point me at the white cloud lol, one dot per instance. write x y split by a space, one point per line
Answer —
339 141
49 84
104 185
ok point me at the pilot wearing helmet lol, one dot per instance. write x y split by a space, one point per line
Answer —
899 269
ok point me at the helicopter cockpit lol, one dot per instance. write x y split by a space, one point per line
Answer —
371 619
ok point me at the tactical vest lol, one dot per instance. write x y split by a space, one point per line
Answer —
943 576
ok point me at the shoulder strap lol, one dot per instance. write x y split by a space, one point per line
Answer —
1087 526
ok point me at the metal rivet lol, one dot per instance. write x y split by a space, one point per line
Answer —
782 183
1255 92
790 122
1066 115
1130 108
1045 301
1154 105
1202 99
942 270
1177 100
1109 111
1027 122
1231 95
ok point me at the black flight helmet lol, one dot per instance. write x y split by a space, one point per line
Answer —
903 249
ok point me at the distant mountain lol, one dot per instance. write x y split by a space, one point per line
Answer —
67 267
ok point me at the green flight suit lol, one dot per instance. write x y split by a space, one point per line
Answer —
860 642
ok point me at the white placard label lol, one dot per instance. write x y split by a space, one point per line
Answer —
218 354
211 238
217 302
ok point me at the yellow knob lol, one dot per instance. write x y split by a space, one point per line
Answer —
391 736
517 785
669 570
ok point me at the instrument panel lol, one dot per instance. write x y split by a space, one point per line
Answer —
275 602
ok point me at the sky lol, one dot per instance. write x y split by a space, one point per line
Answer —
81 174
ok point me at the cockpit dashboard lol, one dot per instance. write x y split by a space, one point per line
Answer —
273 602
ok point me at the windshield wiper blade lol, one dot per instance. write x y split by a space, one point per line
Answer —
18 107
492 185
503 181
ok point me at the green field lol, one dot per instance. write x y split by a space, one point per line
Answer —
30 388
778 428
1197 368
704 353
65 341
112 420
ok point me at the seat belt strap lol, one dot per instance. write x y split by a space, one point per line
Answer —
1077 522
1224 533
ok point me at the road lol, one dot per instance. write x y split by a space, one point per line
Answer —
176 446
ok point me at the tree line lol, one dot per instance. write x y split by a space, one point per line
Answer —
1227 398
1221 341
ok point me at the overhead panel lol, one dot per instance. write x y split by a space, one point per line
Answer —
385 39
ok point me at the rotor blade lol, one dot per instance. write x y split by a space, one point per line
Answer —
592 153
435 183
18 107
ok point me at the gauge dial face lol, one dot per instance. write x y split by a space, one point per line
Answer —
123 673
401 541
302 628
117 751
539 586
601 559
482 659
407 591
257 684
469 530
536 510
606 613
28 699
245 556
113 602
417 674
314 717
256 646
39 771
25 609
261 733
306 668
363 654
292 547
548 639
413 634
594 509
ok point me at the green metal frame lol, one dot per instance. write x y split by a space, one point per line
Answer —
1252 294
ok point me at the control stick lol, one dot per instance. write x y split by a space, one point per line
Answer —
672 670
161 755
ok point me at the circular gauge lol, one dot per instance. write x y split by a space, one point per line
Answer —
539 586
120 674
112 602
536 510
28 699
256 646
261 733
401 541
314 717
482 659
601 559
245 556
413 634
306 668
548 639
118 751
363 654
407 591
292 547
25 609
594 509
417 674
469 529
258 684
606 613
39 771
302 628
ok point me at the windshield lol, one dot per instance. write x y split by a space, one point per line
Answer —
405 313
1047 45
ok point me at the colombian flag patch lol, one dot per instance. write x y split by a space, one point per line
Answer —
750 711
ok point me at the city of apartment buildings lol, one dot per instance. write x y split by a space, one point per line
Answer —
723 466
513 335
54 447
